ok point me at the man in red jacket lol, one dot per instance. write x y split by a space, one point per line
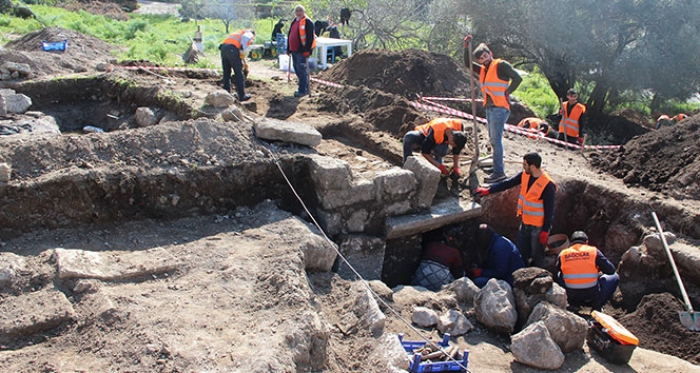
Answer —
301 42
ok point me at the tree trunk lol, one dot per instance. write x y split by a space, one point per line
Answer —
596 102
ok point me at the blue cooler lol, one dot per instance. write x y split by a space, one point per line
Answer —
281 44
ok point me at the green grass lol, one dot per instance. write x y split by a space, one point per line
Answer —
159 39
537 94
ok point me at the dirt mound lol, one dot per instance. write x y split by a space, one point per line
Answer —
664 161
407 73
656 324
83 53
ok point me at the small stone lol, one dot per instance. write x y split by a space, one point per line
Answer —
534 347
220 99
145 117
17 103
424 317
454 323
233 114
5 172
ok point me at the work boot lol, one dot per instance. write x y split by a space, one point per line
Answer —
299 94
245 97
494 178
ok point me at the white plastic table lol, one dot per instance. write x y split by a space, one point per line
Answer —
322 45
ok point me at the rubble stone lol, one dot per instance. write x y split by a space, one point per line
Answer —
22 69
32 313
495 306
533 285
534 347
366 255
5 172
280 130
390 351
424 317
372 318
455 323
107 266
11 266
428 178
17 103
655 246
567 329
3 107
220 99
145 117
233 114
464 289
382 290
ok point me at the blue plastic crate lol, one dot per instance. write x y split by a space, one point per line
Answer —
439 366
54 46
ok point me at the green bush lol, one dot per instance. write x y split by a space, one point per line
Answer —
537 94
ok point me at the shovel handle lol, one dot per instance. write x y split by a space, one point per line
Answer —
673 263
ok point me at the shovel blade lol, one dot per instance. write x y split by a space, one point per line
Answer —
690 321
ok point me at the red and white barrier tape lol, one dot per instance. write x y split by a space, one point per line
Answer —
446 99
325 82
173 69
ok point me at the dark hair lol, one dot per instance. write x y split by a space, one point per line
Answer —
571 91
483 236
460 140
579 237
533 159
480 49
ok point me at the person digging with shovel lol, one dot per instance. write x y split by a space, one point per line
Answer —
301 41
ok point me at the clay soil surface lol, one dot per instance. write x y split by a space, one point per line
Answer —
233 285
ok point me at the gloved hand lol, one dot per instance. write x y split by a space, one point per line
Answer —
580 141
482 192
455 171
543 237
474 272
306 54
241 55
245 69
443 170
467 40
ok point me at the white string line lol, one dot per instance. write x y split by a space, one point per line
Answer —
333 246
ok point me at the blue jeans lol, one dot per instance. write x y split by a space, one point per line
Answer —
414 139
496 118
301 69
528 243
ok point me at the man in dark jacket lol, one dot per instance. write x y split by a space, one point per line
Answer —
301 41
502 258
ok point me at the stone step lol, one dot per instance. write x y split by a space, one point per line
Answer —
441 214
32 313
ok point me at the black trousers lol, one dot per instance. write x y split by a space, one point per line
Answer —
231 59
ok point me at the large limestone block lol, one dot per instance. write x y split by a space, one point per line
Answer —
280 130
17 103
424 317
395 182
454 323
447 212
365 254
361 190
145 117
113 266
567 329
32 313
495 306
534 347
220 99
330 173
428 178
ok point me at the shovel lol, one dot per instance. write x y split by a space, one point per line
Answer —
473 180
690 320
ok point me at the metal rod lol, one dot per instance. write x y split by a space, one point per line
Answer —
673 264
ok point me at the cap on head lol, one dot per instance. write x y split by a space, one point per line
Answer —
460 140
483 236
579 237
571 91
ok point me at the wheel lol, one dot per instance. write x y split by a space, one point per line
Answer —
255 55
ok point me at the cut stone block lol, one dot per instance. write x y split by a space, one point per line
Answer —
32 313
394 182
113 266
281 130
330 173
447 212
428 178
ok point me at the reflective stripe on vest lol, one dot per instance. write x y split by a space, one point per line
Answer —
439 125
570 122
235 39
493 86
302 33
578 266
530 204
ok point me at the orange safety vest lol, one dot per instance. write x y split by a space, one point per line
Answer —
439 125
530 204
235 39
680 117
493 86
578 266
533 123
569 122
302 33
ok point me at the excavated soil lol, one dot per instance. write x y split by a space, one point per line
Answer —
656 324
83 53
666 161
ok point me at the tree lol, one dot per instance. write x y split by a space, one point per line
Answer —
609 46
225 10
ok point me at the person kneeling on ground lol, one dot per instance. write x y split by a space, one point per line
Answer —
502 258
434 137
579 267
440 264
